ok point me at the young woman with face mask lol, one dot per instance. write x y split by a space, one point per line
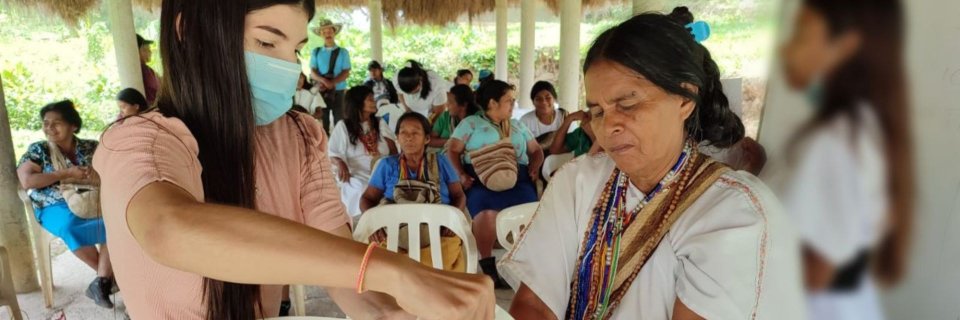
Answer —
223 190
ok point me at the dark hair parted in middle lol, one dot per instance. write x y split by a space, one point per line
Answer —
661 50
354 102
416 117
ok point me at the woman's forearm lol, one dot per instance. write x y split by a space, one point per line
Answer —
455 161
236 244
536 155
559 138
437 142
30 180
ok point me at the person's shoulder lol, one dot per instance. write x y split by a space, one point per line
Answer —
736 196
87 143
38 147
585 168
146 128
527 116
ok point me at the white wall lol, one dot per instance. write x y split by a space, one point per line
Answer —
932 289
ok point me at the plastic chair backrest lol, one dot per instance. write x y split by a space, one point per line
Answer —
390 113
513 219
553 162
392 216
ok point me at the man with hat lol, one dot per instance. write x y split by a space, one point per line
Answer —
330 68
383 89
151 83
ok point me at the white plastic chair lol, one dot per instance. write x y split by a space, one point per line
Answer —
435 216
8 297
513 219
391 112
552 163
41 250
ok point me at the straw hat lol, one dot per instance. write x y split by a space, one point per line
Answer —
326 23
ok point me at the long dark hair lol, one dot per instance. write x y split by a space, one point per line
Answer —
355 99
875 74
464 96
410 77
205 86
659 48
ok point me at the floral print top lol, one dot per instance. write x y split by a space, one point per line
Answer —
39 153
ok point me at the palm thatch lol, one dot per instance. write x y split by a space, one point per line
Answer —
429 12
587 4
69 10
434 12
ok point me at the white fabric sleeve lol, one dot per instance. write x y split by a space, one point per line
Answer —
386 132
823 197
339 142
720 247
318 102
545 255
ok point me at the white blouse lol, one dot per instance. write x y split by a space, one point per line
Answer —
359 162
731 255
538 128
835 193
438 95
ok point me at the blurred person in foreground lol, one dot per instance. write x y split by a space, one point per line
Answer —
651 228
847 181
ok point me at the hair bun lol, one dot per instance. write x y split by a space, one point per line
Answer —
682 15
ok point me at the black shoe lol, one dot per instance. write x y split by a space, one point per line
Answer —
489 267
99 292
284 308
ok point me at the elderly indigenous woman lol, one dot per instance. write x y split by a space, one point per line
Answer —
48 167
418 176
651 228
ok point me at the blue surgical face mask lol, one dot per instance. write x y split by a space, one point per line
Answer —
814 92
273 83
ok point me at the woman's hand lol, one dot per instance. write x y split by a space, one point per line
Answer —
380 236
466 180
437 294
343 172
576 116
534 173
73 173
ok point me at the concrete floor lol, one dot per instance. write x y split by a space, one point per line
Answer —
71 278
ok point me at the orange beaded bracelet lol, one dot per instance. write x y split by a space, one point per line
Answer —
363 266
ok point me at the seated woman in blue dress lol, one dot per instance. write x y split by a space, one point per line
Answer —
418 176
498 160
42 170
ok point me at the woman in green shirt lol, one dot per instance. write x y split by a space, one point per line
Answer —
579 141
460 104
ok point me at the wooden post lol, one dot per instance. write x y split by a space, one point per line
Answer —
376 30
569 84
501 64
528 23
124 34
14 226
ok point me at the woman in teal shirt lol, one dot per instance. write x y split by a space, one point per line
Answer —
496 99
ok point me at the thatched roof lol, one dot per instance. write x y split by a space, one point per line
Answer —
433 12
587 4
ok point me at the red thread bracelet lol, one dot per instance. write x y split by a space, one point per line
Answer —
363 266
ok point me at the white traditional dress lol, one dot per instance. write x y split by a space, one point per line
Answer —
359 161
728 255
835 193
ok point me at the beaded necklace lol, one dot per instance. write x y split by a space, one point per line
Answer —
594 281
